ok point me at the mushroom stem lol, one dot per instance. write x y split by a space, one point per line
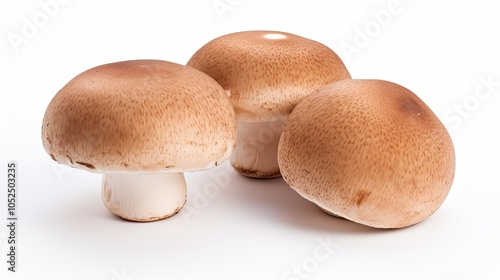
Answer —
256 151
144 197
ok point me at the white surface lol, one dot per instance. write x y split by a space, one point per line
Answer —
251 229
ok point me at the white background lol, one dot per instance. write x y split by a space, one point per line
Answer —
250 229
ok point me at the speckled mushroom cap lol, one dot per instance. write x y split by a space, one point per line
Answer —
267 72
369 151
140 116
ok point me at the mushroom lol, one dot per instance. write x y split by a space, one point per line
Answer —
141 123
265 74
369 151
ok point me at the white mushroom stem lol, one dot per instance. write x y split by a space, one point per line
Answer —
145 197
256 151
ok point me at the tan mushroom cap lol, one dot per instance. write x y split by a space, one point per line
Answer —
140 116
266 73
370 151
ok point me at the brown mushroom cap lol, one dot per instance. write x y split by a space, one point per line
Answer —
140 116
370 151
266 73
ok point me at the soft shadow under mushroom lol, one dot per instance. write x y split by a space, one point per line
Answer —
277 201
